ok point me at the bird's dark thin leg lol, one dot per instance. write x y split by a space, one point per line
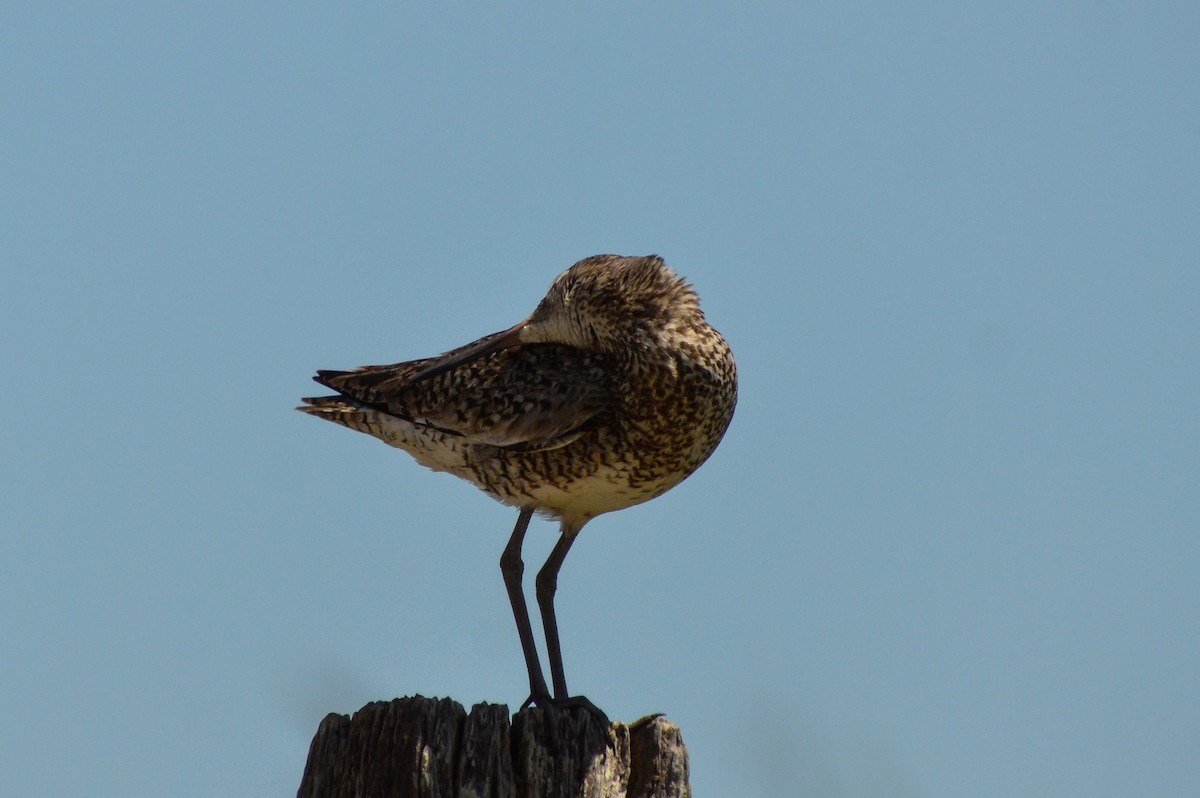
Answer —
547 583
512 568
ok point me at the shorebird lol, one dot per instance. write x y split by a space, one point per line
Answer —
609 394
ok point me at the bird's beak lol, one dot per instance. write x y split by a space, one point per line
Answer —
484 346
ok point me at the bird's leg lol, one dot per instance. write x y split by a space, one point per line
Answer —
547 583
512 568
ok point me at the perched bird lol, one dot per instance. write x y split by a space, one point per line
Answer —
609 394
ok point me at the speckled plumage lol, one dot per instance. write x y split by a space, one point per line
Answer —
612 392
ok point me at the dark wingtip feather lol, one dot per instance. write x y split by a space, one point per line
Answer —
323 377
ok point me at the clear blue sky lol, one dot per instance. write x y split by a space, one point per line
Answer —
948 548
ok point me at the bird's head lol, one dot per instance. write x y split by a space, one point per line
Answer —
604 303
607 302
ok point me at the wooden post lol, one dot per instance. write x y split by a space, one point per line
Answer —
432 748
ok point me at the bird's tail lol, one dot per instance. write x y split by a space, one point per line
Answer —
340 411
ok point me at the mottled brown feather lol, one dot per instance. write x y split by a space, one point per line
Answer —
530 396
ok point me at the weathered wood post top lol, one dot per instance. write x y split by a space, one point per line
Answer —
433 748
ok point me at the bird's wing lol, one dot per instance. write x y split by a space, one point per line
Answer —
529 397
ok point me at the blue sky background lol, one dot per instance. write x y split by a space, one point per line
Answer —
948 547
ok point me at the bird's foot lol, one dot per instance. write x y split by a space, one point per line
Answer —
646 721
538 698
583 701
554 705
